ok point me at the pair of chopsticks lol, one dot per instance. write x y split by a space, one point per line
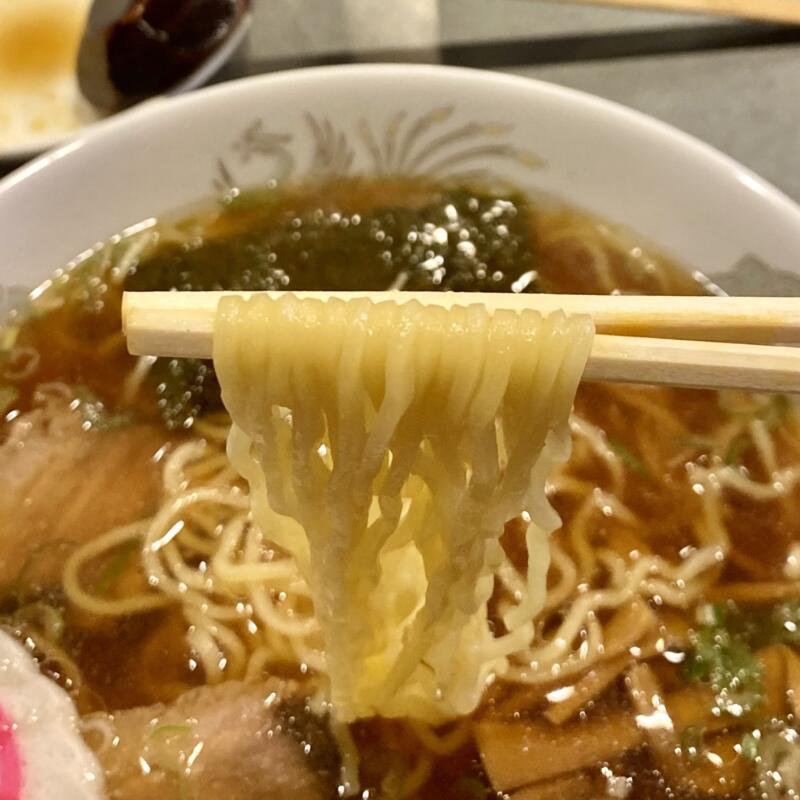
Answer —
699 342
772 10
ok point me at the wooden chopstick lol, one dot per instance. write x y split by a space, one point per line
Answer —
694 364
756 320
180 324
773 10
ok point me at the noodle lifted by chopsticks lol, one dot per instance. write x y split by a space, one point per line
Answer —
385 447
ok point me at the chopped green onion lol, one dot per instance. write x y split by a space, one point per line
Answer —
53 621
772 414
8 337
691 742
712 614
750 745
8 394
723 656
776 411
739 445
46 618
631 459
21 581
116 566
95 414
167 730
472 788
697 442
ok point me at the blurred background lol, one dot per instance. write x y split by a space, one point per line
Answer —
733 83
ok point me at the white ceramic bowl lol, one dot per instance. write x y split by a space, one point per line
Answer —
683 196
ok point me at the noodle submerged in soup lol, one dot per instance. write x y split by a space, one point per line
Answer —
665 662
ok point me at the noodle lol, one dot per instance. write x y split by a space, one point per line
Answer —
229 579
201 552
385 446
107 607
596 439
233 579
444 743
649 576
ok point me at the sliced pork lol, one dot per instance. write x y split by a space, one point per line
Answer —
234 741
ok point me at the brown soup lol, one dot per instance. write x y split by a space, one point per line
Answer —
665 665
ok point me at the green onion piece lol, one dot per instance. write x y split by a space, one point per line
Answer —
776 411
691 742
739 445
697 442
167 730
8 394
94 412
116 566
631 459
8 337
750 745
722 656
472 788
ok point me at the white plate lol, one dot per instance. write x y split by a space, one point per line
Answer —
52 101
685 197
40 102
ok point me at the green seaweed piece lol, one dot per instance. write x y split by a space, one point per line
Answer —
463 241
723 655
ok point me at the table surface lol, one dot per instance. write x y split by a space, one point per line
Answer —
732 83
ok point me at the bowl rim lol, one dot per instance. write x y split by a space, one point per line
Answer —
619 114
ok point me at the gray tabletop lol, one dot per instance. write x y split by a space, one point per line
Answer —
734 84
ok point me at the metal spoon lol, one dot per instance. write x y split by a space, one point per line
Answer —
134 49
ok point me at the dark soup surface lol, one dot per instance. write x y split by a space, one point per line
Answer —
665 663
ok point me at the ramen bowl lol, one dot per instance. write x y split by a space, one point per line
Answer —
215 585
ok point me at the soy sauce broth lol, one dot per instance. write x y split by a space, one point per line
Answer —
414 234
